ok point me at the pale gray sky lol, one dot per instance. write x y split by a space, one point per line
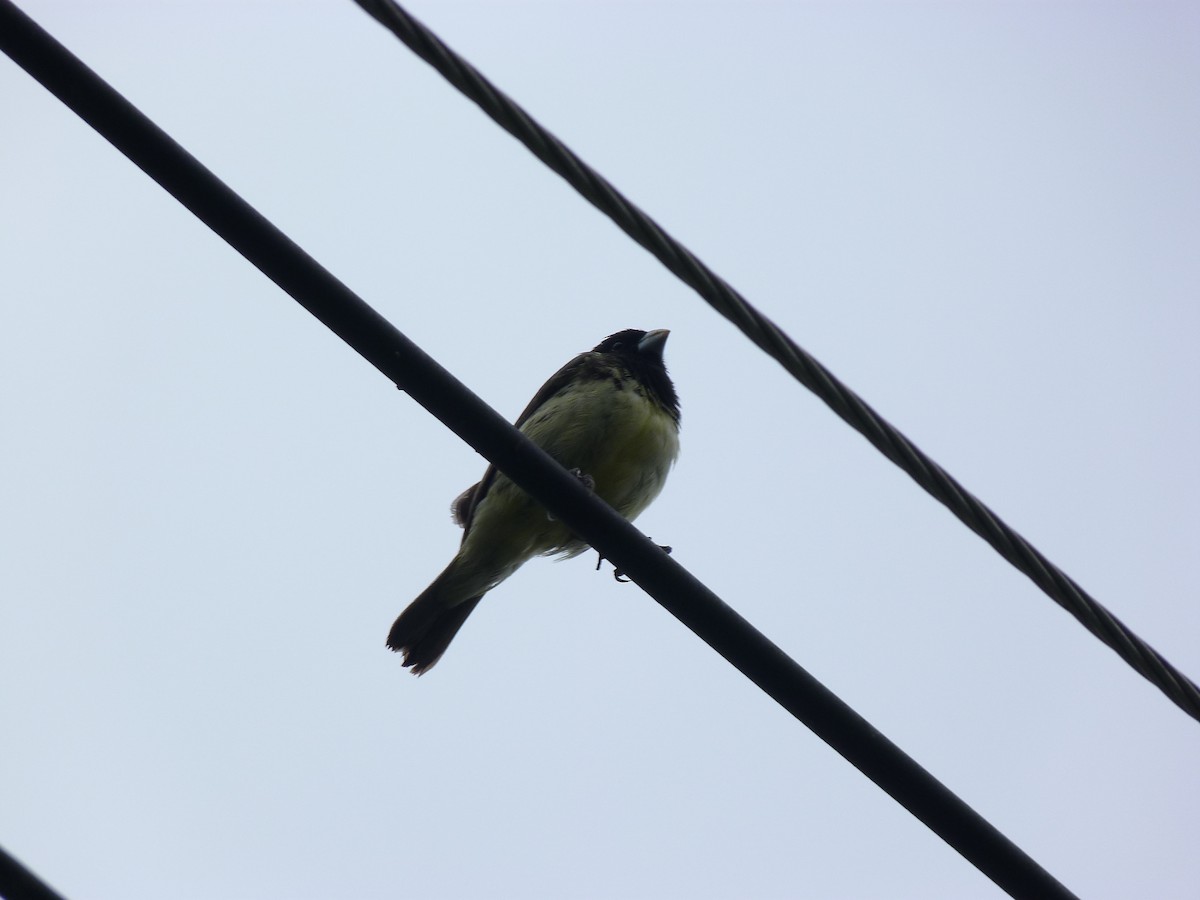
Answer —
985 217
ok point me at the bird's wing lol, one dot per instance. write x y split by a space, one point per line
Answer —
464 506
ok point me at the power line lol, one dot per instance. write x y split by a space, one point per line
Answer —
18 883
438 391
805 368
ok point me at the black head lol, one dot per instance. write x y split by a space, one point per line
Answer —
626 341
642 352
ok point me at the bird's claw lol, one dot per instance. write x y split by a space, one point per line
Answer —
583 478
617 573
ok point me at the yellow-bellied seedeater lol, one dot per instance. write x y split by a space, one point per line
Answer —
611 416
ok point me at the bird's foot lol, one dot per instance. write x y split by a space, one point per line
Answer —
583 478
617 573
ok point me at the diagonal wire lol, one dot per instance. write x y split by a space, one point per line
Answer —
402 361
18 883
805 368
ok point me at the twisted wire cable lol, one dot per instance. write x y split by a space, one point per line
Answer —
804 367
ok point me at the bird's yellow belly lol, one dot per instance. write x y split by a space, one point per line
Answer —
635 456
623 441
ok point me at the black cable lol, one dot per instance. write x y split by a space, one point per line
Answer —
18 883
805 368
561 493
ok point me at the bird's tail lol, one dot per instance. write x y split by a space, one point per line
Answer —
424 630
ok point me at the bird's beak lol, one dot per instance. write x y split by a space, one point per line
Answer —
653 341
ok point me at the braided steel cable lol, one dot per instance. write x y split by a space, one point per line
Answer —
803 366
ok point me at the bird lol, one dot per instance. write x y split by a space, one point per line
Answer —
611 417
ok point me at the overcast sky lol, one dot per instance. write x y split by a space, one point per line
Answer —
984 217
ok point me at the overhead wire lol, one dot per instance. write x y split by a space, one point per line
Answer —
560 492
18 882
848 405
